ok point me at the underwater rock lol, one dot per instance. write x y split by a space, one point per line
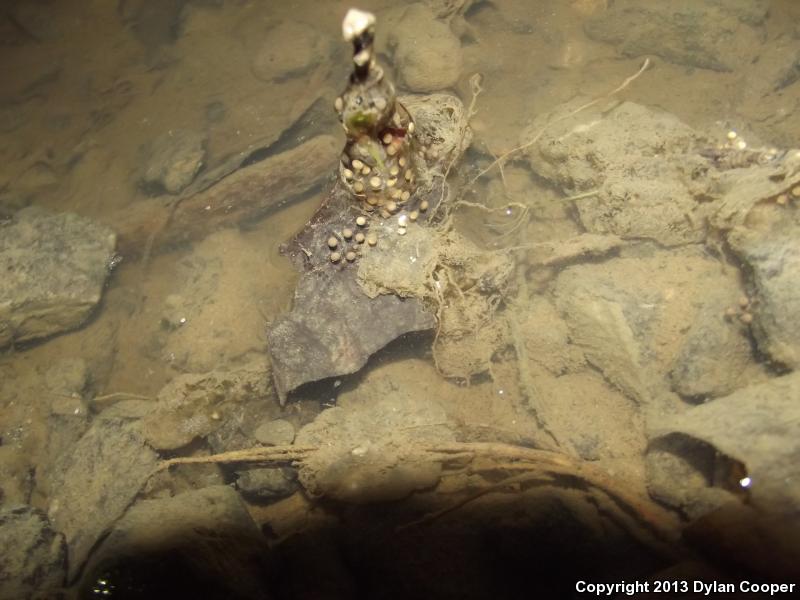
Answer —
575 407
277 432
266 483
547 338
771 252
708 34
300 355
634 167
254 190
54 267
193 406
426 52
244 188
202 543
758 426
32 555
173 159
632 315
715 356
367 451
599 328
682 472
102 476
289 49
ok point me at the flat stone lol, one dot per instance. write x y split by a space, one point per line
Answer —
54 267
266 483
275 433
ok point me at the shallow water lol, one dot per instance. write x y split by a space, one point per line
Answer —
86 88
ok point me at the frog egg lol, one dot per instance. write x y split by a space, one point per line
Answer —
372 239
411 127
332 242
338 104
391 207
394 171
360 238
350 256
402 162
357 164
361 221
366 170
391 182
391 150
413 215
358 187
376 182
423 206
406 195
387 138
348 174
335 257
347 233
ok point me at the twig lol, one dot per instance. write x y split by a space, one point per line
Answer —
121 395
251 455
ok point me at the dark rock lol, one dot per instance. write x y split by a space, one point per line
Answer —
267 483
